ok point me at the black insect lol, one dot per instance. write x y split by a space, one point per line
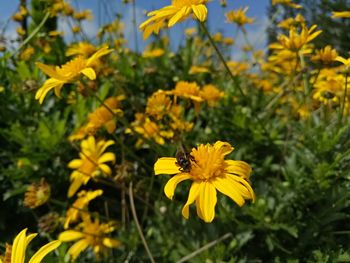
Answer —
183 159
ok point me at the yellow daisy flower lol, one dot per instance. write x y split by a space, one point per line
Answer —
296 41
209 172
178 11
239 17
75 211
68 73
91 163
20 244
211 94
90 234
327 55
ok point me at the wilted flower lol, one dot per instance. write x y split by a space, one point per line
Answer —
37 194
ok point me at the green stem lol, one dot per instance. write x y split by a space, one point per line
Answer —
344 99
221 57
34 32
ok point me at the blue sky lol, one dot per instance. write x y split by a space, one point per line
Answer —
105 10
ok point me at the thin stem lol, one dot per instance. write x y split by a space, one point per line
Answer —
134 22
221 57
344 99
203 248
34 32
133 210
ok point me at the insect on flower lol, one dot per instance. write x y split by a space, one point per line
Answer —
183 158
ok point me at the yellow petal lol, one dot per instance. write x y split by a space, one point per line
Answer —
170 186
224 147
178 16
227 187
107 157
70 235
192 196
75 164
239 168
111 243
19 247
48 85
106 170
208 199
49 70
166 165
243 182
77 248
75 185
89 72
99 53
200 12
43 251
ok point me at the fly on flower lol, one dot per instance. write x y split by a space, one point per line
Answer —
184 158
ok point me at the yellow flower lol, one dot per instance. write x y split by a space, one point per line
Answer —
82 48
76 29
287 3
154 53
20 31
296 41
299 20
37 194
149 130
21 243
344 14
56 33
239 17
326 55
85 14
190 31
198 69
237 67
27 53
209 172
90 234
189 90
91 163
103 116
178 124
344 61
178 11
211 94
75 211
158 105
19 16
68 73
329 87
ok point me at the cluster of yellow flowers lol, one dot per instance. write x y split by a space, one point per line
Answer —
300 76
165 115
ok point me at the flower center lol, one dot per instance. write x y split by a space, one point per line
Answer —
208 163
